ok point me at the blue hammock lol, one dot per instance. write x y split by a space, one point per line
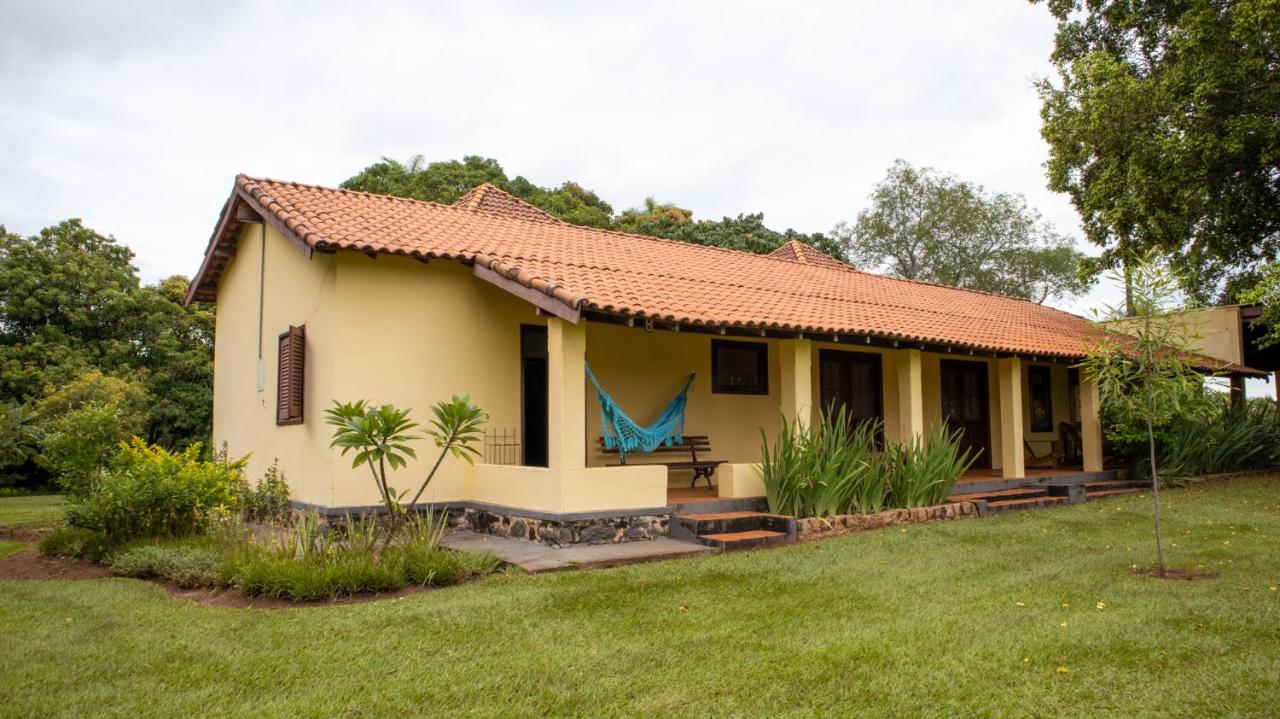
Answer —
622 433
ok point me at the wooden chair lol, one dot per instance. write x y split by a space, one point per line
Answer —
1048 461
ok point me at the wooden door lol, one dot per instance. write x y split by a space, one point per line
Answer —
966 407
850 380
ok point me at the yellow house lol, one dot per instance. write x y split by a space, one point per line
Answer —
324 294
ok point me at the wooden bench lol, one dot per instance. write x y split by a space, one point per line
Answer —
690 447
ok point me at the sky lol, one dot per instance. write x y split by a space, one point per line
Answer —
136 116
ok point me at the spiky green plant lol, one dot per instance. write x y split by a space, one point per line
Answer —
924 470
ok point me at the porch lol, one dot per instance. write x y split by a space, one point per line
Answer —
1005 407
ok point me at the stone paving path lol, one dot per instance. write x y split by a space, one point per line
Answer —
535 557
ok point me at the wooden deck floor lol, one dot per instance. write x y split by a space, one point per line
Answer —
987 475
685 494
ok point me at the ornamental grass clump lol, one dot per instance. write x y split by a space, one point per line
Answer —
922 472
832 468
1223 438
841 467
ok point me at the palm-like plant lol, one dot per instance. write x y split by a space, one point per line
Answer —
380 437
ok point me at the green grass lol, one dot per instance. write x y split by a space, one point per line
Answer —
30 510
963 618
8 548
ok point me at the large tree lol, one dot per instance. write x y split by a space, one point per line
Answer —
1164 129
71 303
445 182
65 294
926 225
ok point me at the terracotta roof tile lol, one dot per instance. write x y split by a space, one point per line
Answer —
649 277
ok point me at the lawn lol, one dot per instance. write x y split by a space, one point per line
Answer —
29 510
1030 614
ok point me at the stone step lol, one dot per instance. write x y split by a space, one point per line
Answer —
692 525
1104 493
1105 485
1008 505
750 539
1000 495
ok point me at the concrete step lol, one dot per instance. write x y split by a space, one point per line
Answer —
723 522
999 495
1106 485
750 539
1105 493
709 506
1009 505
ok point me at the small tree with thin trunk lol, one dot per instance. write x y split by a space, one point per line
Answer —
1142 362
381 437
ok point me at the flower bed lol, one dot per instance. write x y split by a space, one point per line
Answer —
811 528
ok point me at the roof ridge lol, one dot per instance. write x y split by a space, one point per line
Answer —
664 240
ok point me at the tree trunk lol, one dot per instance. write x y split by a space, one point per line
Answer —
1155 493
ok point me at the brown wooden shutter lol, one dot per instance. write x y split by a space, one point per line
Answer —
290 376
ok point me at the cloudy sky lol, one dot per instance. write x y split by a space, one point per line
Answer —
136 116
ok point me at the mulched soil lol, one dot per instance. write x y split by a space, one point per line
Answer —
1174 574
32 565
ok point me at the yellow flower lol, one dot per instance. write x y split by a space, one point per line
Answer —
1026 660
1020 604
1101 605
1062 670
1066 605
1063 624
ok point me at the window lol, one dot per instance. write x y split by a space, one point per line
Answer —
1040 394
289 377
739 367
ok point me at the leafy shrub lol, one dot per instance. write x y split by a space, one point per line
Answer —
21 440
76 543
836 468
267 500
187 565
96 389
259 572
80 444
1222 439
151 492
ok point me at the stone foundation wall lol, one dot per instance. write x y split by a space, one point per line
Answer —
810 528
559 533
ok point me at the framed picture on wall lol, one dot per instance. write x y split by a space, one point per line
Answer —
1040 394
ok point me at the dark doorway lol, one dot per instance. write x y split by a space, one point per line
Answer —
851 380
966 407
533 394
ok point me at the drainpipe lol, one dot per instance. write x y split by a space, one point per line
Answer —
262 283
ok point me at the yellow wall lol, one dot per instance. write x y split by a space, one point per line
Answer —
297 291
413 334
1212 331
642 371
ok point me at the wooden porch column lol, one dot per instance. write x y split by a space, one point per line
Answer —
1090 424
910 364
1012 459
1237 391
796 362
566 394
